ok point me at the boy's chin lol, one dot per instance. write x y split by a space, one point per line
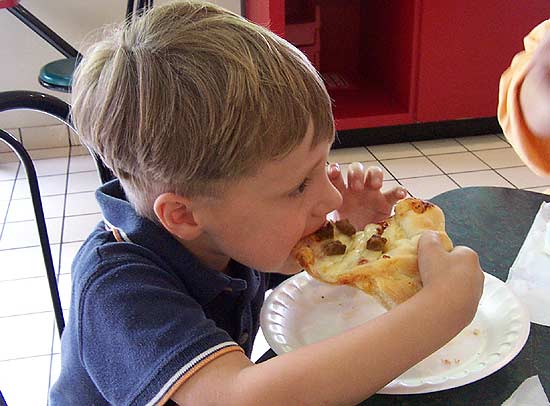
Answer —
289 267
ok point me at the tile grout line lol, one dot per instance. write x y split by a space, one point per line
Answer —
9 201
27 357
493 169
437 166
55 217
497 172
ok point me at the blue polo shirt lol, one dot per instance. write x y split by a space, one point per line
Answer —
145 314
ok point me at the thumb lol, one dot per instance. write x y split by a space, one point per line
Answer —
430 243
430 253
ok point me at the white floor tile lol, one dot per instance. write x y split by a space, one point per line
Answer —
47 167
24 296
45 136
56 348
479 142
349 155
26 336
75 139
6 187
522 177
64 286
8 157
79 150
25 233
428 187
387 175
481 178
443 146
12 131
23 209
500 158
47 153
25 381
411 167
8 171
25 262
55 367
78 228
3 210
391 151
544 189
81 163
68 252
83 182
81 203
389 184
49 185
459 162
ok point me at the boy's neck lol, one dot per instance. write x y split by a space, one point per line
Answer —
208 258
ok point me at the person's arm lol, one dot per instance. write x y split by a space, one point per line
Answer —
350 367
535 90
523 101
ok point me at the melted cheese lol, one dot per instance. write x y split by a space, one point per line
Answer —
356 249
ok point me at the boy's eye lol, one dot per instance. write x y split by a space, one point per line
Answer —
301 188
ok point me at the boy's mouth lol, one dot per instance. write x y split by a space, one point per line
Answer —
314 230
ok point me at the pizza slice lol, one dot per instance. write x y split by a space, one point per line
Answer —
381 259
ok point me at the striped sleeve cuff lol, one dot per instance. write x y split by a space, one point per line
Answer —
189 369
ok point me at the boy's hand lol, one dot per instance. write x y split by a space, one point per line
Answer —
363 200
454 276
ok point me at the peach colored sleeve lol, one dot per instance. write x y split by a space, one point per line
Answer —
534 151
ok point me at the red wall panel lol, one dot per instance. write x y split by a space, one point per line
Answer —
464 48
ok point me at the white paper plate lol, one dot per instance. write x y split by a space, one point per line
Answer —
303 311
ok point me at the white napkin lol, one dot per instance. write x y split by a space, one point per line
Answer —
529 393
529 276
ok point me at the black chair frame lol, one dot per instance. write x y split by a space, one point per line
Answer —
28 100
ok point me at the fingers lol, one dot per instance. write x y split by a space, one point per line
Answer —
335 175
359 179
356 176
395 194
431 247
430 242
375 177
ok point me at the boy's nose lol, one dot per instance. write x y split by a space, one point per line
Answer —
330 200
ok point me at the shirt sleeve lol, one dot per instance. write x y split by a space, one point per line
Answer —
533 150
141 335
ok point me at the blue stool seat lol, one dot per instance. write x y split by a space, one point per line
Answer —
58 75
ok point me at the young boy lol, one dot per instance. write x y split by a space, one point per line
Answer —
218 132
524 101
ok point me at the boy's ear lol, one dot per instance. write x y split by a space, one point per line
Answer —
175 214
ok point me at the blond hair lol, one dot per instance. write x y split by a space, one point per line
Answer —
190 97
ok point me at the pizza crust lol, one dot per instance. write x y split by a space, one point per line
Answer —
390 274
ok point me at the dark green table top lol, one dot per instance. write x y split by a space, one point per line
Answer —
494 222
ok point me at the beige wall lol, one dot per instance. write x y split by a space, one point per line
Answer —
23 53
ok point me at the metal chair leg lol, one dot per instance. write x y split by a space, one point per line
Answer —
25 158
2 400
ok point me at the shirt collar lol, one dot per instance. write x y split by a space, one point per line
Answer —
203 283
